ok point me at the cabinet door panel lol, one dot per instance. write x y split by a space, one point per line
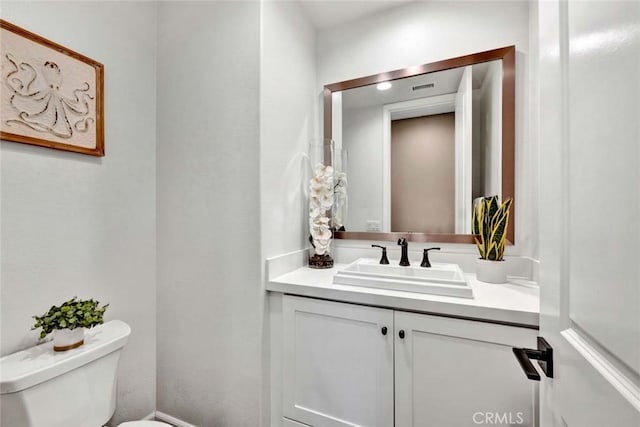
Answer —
452 373
338 366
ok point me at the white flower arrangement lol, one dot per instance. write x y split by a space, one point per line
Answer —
340 195
321 201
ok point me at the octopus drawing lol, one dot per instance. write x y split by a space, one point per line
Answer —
41 105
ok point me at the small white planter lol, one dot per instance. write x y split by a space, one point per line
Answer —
491 271
66 339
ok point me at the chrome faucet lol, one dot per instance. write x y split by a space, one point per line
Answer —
404 259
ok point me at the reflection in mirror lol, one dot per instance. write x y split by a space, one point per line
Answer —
420 147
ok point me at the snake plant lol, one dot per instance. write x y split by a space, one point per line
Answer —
490 220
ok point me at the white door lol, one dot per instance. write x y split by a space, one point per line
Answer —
463 172
590 211
455 373
338 363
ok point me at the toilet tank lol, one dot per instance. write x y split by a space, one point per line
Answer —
74 388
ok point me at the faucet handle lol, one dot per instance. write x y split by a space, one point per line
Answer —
425 257
383 259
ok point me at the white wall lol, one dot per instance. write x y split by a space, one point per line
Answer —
490 118
288 123
423 32
363 130
210 300
78 225
531 167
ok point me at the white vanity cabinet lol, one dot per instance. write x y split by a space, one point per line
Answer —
453 373
337 364
341 368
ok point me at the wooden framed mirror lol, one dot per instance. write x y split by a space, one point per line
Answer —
466 106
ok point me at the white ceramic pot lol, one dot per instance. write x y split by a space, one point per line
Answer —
491 271
66 339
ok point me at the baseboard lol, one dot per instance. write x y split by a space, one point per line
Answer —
151 416
161 416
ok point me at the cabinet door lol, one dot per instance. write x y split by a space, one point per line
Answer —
452 373
338 364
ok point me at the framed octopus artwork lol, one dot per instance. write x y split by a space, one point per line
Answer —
50 96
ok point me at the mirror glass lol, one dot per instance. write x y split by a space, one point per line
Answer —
417 153
417 150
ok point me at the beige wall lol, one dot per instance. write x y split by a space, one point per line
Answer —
422 174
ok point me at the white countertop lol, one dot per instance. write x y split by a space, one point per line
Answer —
516 302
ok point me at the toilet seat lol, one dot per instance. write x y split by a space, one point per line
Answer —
144 424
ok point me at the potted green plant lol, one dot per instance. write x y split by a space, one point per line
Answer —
69 321
490 220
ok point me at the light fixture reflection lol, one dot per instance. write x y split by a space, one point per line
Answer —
383 86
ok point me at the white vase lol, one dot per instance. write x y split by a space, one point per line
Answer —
66 339
491 271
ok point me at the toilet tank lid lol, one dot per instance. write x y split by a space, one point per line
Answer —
40 363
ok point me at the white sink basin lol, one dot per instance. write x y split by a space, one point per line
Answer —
439 279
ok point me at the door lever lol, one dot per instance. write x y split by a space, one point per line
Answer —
544 356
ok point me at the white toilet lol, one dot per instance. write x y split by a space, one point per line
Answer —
75 388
